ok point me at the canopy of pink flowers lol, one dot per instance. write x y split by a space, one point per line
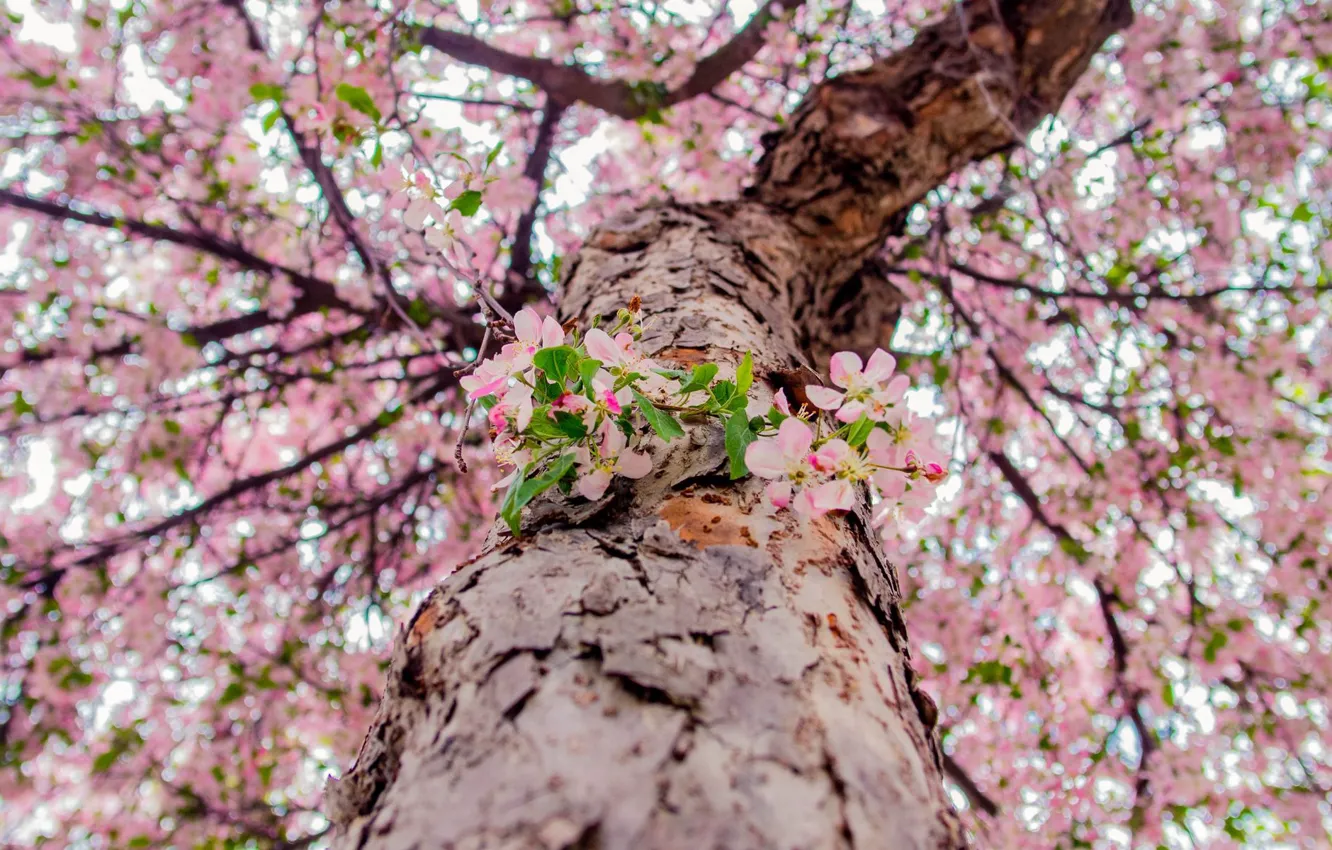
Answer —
231 313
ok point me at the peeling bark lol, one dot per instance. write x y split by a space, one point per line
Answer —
674 666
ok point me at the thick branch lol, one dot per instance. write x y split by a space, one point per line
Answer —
867 145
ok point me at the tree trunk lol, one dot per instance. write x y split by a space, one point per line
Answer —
674 666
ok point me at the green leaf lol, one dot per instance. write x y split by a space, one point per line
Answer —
1074 549
738 438
510 510
542 426
171 426
419 311
487 401
557 362
233 692
388 417
103 763
377 156
524 490
661 421
722 393
699 378
744 375
270 119
37 81
467 203
267 91
21 405
1215 643
570 425
534 487
587 370
494 152
357 98
1132 431
859 431
990 673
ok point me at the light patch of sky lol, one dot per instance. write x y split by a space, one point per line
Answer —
37 29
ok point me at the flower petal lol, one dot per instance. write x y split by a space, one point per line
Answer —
844 364
419 210
601 347
551 333
836 495
634 464
779 401
891 484
880 367
830 455
824 398
779 493
765 459
794 438
895 390
593 485
527 325
851 411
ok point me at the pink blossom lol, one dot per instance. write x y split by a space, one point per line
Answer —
488 378
785 455
419 211
779 401
515 407
836 495
509 453
620 356
533 333
871 389
612 458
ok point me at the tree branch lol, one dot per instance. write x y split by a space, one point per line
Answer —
521 281
315 294
865 146
978 798
1105 598
569 84
713 69
242 486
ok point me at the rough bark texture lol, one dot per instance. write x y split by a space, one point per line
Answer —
674 666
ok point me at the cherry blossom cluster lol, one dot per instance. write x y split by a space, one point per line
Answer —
571 410
876 441
438 213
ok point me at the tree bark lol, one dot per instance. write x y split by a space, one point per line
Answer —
674 666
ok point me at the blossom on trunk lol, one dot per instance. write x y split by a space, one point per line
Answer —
784 459
533 333
866 388
611 458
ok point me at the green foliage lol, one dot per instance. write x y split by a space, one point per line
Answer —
359 99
